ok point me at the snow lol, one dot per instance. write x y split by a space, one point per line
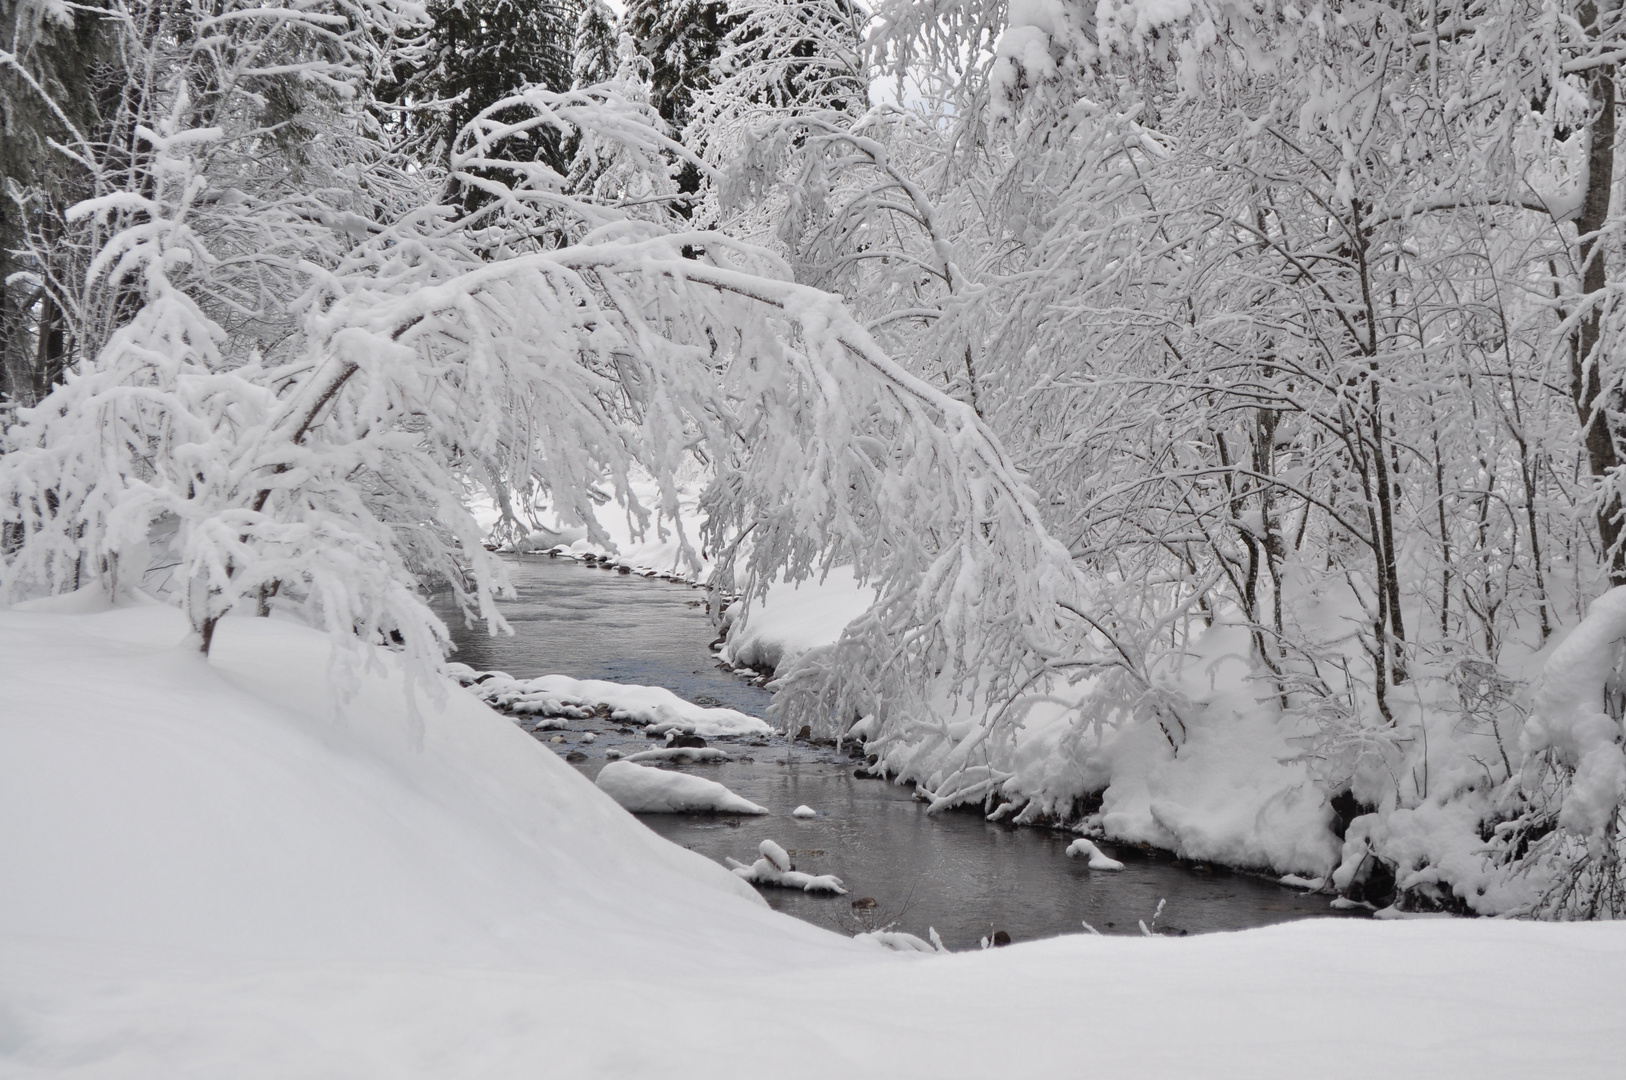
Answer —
778 856
775 868
681 755
644 790
1099 860
653 707
804 811
213 868
791 620
898 941
1569 719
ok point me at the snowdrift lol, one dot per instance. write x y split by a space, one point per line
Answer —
225 807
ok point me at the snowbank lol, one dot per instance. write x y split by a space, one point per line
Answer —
643 790
658 548
212 871
1569 718
560 696
793 619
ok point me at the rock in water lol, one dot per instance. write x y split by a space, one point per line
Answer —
1098 859
643 790
776 855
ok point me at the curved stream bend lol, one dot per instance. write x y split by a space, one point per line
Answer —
954 872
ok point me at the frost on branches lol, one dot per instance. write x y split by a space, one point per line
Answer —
545 343
1301 324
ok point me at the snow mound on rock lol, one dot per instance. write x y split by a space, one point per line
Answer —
682 755
643 790
1099 860
775 868
654 707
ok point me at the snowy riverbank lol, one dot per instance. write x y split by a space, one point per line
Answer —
210 873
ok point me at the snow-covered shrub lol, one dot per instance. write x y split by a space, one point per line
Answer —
1574 775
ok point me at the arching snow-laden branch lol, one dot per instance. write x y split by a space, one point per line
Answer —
543 344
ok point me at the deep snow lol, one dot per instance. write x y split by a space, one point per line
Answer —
212 870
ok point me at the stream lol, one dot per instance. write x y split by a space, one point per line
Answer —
906 869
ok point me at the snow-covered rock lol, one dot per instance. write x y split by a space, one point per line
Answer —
1099 860
775 868
775 854
644 790
561 696
682 755
804 811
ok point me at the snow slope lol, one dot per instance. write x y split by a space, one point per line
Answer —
211 871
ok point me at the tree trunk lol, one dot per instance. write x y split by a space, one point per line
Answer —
1598 403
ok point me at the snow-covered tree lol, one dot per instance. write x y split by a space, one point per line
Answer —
594 51
546 344
57 68
480 51
1269 306
682 40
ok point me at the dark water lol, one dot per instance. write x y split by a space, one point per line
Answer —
954 872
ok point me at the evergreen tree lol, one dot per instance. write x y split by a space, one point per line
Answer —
594 55
682 39
56 65
479 52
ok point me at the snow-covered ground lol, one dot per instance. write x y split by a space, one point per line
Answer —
212 870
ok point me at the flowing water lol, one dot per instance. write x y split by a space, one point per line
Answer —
953 872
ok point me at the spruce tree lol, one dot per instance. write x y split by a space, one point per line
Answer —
594 54
682 40
60 67
481 51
